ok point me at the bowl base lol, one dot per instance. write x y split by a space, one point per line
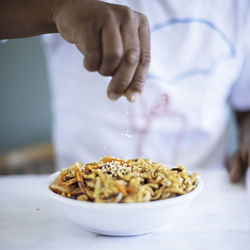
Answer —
115 233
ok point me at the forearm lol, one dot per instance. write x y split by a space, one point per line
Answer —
243 121
22 18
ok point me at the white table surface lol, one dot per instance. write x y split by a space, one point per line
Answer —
218 219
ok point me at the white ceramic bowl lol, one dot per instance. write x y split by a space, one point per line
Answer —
122 219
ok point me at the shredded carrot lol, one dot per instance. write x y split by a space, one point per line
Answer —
80 180
110 159
130 189
107 159
78 175
91 166
121 189
61 178
71 181
128 162
55 190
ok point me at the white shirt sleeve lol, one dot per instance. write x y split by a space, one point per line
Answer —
240 92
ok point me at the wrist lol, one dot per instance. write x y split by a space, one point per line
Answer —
55 9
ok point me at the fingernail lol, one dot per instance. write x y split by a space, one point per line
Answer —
113 96
133 97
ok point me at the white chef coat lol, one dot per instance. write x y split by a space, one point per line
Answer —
200 58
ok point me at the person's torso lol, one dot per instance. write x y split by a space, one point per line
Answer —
182 114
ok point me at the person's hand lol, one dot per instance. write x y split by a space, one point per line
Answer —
114 40
239 162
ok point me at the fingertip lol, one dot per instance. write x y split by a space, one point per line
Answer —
113 96
133 96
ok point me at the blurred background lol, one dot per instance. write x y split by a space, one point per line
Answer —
25 119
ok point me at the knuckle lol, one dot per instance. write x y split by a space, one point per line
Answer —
110 63
107 15
90 65
144 26
107 11
128 13
111 17
113 56
144 20
138 84
132 57
145 58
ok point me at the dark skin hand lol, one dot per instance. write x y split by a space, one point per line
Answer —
114 39
240 161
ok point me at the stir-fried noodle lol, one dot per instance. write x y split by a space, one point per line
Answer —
115 180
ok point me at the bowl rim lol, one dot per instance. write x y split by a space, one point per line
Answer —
95 205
